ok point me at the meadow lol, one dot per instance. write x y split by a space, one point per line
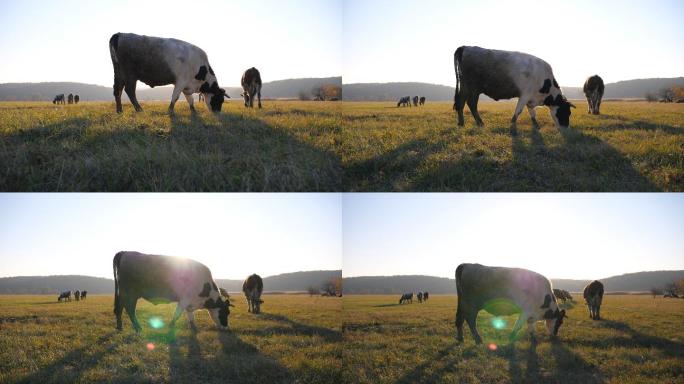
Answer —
296 339
631 146
639 340
287 146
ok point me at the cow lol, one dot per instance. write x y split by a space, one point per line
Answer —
415 101
251 87
426 296
404 101
83 295
422 100
76 99
77 295
593 295
252 288
419 296
59 99
70 98
593 90
406 297
559 294
505 75
162 61
505 291
163 279
66 295
567 295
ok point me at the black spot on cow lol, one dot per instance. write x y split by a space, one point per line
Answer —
549 314
548 101
202 74
546 87
211 71
205 88
555 84
547 301
205 290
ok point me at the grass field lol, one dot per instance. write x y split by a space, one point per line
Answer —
296 338
640 340
632 146
287 146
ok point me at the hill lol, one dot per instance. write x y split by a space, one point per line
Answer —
280 89
631 282
628 89
43 285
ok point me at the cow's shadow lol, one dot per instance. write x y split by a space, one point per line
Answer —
289 326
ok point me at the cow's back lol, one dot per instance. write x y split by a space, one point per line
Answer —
253 285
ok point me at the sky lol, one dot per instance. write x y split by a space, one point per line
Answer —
575 236
408 40
233 234
68 40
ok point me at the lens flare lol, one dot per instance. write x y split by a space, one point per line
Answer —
156 322
492 347
498 323
150 346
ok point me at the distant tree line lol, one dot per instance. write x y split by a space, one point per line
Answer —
332 287
672 289
325 92
673 94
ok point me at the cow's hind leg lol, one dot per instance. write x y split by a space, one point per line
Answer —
259 96
533 116
459 105
130 91
459 322
472 104
471 319
118 89
118 310
191 101
129 305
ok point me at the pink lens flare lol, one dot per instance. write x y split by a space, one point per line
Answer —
150 346
492 347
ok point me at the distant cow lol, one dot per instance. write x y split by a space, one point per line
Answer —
505 75
251 87
415 101
593 294
76 99
559 294
404 101
66 295
71 98
163 279
422 100
426 296
406 297
253 287
567 294
161 61
77 295
419 296
593 90
84 294
59 99
503 292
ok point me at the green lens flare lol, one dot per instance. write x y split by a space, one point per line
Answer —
156 322
498 323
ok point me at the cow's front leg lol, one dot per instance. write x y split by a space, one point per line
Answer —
530 330
518 110
191 319
176 315
518 325
191 100
533 116
174 96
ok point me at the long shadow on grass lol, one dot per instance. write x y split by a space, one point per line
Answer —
288 326
199 153
433 369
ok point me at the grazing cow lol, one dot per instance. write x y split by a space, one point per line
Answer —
593 90
505 75
502 292
66 295
406 297
77 295
426 296
404 101
251 87
559 294
419 296
422 100
71 98
567 294
161 61
253 287
76 99
163 279
84 294
593 295
415 101
59 99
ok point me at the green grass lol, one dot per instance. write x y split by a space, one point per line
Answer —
287 146
297 338
639 340
632 146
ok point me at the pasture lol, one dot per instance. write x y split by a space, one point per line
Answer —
296 338
632 146
639 340
287 146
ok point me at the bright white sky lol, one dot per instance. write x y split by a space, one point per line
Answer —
233 234
410 40
67 40
576 236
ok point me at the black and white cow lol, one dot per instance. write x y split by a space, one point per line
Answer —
502 292
422 100
70 98
405 101
593 90
77 295
66 295
426 296
559 294
419 296
505 75
415 101
593 295
406 298
84 294
162 61
253 287
251 86
567 294
163 279
76 99
59 99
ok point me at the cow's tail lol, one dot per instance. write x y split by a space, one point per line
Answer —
458 58
115 266
457 277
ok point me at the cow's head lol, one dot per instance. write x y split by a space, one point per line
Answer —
213 95
554 319
219 310
560 109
